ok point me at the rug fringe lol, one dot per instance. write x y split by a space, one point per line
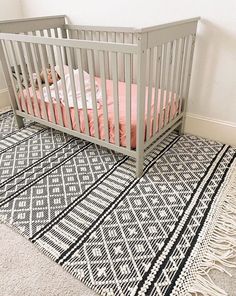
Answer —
221 248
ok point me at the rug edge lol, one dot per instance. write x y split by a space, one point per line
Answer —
209 254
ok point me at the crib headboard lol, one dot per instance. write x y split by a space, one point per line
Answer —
46 26
32 24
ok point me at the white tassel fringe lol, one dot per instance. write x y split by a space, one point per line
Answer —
220 250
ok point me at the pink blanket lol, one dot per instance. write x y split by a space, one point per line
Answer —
110 106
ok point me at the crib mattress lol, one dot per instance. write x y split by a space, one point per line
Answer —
110 108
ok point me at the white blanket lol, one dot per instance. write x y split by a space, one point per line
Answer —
87 85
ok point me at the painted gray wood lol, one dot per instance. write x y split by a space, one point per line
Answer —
142 43
128 99
104 95
72 82
42 53
65 95
54 78
19 53
38 70
30 71
83 94
115 97
93 92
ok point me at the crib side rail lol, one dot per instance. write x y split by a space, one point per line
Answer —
28 56
129 48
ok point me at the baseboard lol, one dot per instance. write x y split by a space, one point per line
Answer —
4 98
223 131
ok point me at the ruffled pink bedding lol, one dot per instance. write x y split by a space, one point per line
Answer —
111 117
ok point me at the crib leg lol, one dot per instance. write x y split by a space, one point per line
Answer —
139 166
19 121
180 128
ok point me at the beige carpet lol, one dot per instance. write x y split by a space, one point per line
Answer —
24 271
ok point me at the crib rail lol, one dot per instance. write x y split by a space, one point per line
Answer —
32 24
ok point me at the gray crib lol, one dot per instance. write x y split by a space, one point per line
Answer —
150 66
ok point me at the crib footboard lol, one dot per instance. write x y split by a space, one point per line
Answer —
165 65
122 88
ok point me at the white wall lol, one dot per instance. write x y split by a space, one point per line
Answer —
10 9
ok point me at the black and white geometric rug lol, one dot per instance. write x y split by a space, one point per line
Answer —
82 206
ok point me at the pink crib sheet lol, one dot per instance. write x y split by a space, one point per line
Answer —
110 107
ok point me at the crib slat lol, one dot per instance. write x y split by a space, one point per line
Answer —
174 78
49 32
22 66
111 38
183 74
157 89
107 59
84 53
82 88
193 36
29 63
162 90
123 59
42 51
149 102
76 34
35 61
95 37
29 53
72 80
55 32
169 67
120 56
63 52
54 79
93 92
72 54
128 99
10 71
180 65
115 96
37 52
104 94
64 89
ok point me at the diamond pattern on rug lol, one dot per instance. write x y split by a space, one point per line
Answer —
81 205
31 207
145 215
20 158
